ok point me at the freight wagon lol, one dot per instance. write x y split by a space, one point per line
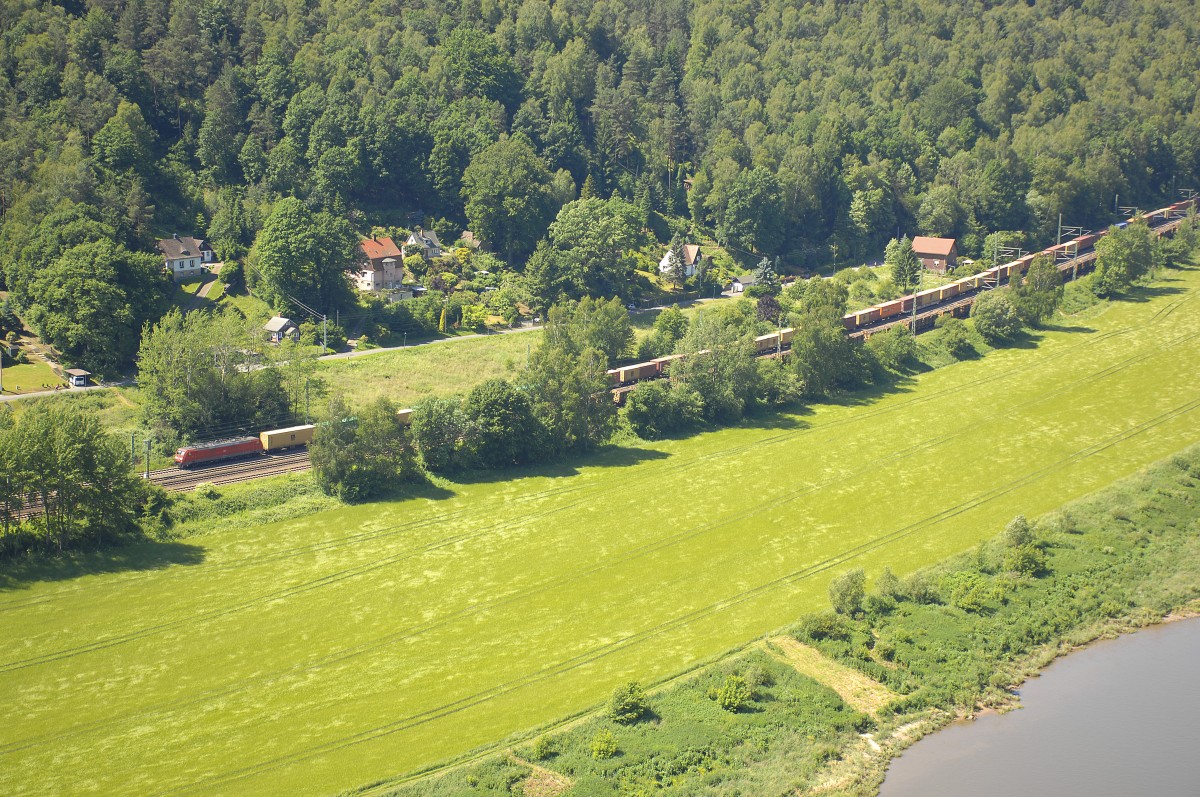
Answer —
279 439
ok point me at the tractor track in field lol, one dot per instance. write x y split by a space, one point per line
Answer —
501 601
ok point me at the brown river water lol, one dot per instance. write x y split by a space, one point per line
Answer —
1118 719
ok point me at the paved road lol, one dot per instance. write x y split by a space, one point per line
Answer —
15 396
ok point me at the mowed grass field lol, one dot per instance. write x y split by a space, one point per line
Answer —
443 367
362 644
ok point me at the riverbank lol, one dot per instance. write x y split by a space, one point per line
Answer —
946 643
1114 719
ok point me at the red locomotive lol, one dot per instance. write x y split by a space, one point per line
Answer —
217 450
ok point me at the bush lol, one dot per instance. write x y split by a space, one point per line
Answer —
826 625
954 337
846 592
543 748
733 695
604 744
628 703
995 316
1017 533
968 590
893 348
660 407
1025 560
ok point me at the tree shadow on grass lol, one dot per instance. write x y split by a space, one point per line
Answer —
1148 293
143 554
1074 329
604 457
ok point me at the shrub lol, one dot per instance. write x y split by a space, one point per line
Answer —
1027 560
826 625
954 337
846 592
733 695
543 748
661 407
968 590
628 703
893 348
1017 533
604 744
207 490
995 316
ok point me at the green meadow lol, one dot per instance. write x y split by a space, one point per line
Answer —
359 644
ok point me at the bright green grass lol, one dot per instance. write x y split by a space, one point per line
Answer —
29 377
435 368
312 655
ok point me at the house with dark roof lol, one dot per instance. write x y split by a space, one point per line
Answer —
742 282
279 328
691 260
382 267
185 257
939 255
427 241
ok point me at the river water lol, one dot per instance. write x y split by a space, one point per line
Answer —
1118 719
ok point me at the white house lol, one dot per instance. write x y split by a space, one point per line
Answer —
741 283
691 257
428 241
185 257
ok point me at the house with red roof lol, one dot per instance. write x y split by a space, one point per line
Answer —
939 255
382 267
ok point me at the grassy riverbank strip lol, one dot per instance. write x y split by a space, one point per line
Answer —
946 642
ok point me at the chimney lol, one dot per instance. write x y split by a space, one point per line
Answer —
175 235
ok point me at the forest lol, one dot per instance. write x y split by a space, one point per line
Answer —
560 133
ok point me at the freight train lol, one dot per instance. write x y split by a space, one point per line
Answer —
861 322
265 443
1064 255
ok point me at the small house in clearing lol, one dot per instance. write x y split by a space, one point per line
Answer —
691 260
742 282
279 328
939 255
185 257
382 267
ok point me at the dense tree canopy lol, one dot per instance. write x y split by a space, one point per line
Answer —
812 132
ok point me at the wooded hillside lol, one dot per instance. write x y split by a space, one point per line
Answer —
811 132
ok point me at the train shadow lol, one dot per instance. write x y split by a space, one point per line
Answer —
610 456
143 554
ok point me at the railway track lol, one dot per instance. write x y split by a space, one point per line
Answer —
232 472
223 473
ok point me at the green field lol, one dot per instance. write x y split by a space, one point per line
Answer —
407 375
30 378
357 644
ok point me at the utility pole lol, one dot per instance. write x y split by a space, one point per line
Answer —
147 459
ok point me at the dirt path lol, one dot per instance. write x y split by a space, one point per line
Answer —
855 688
